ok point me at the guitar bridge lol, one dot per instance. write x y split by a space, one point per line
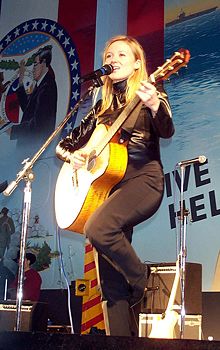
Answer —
75 179
91 160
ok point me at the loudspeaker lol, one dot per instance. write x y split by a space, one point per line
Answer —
211 315
58 310
160 285
33 316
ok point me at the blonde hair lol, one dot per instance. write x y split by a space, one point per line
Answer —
133 81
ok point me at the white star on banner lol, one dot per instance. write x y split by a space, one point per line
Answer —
25 28
68 127
66 42
8 39
76 79
60 33
75 95
74 65
44 25
71 52
35 24
16 33
52 28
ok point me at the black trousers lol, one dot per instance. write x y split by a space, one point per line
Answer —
109 230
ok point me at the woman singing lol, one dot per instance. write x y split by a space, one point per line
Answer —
139 194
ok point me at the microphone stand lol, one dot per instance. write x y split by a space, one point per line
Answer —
183 252
27 175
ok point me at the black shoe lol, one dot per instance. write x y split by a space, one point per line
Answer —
139 289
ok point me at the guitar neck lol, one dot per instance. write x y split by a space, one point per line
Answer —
174 289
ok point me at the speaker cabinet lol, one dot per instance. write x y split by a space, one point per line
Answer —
211 315
160 285
33 316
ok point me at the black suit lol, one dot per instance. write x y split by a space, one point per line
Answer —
39 113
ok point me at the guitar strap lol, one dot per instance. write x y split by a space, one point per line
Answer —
129 123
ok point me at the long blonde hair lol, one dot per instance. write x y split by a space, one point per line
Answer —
133 81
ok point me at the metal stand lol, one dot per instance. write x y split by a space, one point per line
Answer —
25 221
182 252
27 175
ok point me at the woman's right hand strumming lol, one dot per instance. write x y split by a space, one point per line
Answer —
78 158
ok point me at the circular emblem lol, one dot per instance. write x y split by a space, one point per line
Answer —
22 43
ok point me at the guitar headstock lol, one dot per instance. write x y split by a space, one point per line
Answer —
179 59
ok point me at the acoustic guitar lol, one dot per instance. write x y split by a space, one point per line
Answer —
80 192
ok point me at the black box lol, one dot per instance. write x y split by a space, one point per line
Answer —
33 316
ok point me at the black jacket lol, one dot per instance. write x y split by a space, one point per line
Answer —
143 141
39 113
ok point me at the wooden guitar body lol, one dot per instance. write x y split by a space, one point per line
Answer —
78 194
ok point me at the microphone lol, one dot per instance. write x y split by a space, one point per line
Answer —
10 188
3 186
104 70
199 159
13 185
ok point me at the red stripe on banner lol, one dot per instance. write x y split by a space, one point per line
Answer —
88 304
146 24
88 248
79 20
93 283
89 266
91 322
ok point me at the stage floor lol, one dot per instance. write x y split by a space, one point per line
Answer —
53 341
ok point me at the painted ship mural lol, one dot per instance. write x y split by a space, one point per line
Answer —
182 17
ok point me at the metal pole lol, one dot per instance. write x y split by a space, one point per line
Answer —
183 253
24 232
